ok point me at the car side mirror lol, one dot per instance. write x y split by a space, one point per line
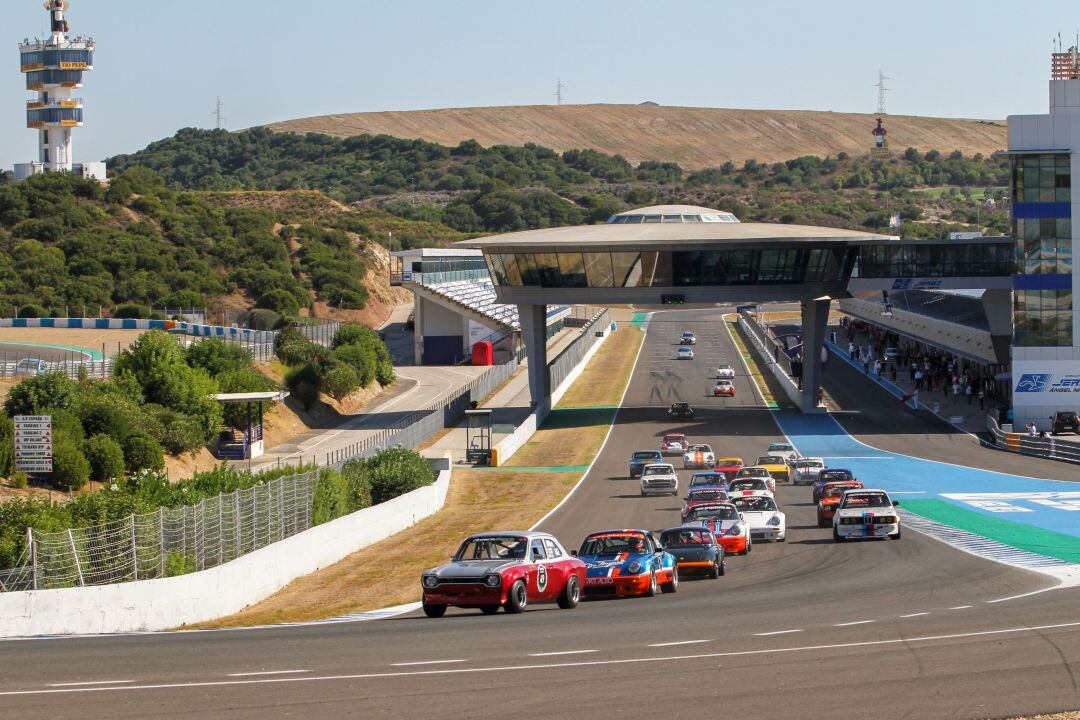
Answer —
573 553
896 503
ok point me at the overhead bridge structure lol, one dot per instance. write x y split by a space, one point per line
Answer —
682 255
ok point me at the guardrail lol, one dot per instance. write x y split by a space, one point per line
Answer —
768 349
565 362
1047 447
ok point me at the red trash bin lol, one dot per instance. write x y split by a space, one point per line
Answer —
483 353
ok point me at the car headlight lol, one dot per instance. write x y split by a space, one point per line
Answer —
774 520
734 530
634 568
493 580
430 581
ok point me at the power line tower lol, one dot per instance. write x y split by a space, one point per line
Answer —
559 87
219 114
881 90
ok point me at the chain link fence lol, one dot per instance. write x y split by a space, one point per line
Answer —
171 541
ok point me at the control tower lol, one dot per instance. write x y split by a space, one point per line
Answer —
54 68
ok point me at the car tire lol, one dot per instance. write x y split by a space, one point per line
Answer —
837 537
821 521
673 586
516 598
434 611
896 535
723 566
571 594
651 592
714 571
489 609
782 538
749 547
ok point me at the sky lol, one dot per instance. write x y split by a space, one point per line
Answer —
160 64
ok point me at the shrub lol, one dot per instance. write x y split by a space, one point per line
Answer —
71 471
292 348
331 497
106 458
184 434
280 301
66 423
361 359
31 396
131 310
352 334
143 451
19 480
33 311
396 471
152 352
178 563
113 415
337 379
216 356
261 319
303 383
189 391
355 472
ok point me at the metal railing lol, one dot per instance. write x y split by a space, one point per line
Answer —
171 541
438 278
565 362
1047 447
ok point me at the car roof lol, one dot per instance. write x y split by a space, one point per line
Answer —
531 534
869 491
675 434
619 531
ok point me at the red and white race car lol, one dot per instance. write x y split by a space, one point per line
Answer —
698 456
674 444
723 388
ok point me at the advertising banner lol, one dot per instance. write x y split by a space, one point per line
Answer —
1046 382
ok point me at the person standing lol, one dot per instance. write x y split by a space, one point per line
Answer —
877 368
969 391
956 391
982 398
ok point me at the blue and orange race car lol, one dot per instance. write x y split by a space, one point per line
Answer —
627 562
709 478
702 495
829 475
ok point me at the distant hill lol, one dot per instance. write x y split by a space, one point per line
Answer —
695 138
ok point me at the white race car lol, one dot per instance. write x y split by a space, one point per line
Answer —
659 478
758 472
699 456
866 513
806 470
684 353
725 372
784 450
688 338
747 486
763 515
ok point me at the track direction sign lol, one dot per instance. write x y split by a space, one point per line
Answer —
33 443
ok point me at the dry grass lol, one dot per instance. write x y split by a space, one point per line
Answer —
608 372
693 137
572 445
386 573
80 338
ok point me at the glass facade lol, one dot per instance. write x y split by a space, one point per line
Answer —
635 218
928 260
58 57
54 115
1042 229
678 268
37 78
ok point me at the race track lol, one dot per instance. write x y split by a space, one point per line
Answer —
802 629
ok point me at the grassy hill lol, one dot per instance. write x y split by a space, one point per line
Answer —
694 138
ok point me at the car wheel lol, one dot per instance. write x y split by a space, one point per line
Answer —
434 611
651 592
837 537
673 586
516 598
782 538
489 609
723 566
896 535
714 571
571 594
821 521
749 547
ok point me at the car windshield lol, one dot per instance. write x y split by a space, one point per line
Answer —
658 470
780 447
723 383
700 448
613 544
714 512
748 484
675 438
706 496
809 464
726 367
832 475
707 479
684 537
755 503
866 500
645 455
770 460
836 491
493 547
754 472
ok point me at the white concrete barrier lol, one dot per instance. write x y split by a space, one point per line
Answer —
223 590
789 386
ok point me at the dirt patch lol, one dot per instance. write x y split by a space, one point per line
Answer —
184 466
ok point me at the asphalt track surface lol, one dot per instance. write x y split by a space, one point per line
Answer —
806 628
19 351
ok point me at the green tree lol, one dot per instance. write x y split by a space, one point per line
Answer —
106 458
51 390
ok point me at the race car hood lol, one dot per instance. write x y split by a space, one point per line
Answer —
608 565
719 527
758 519
474 570
690 553
865 512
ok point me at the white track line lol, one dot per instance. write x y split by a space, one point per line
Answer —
681 642
776 632
960 607
918 614
562 652
89 682
857 622
428 662
268 672
1074 626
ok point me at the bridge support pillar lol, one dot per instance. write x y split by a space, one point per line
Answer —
815 319
534 333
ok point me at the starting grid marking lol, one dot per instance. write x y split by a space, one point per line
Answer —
1005 502
977 545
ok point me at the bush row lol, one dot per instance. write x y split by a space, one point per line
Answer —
356 358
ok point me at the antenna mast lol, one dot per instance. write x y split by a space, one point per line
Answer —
882 89
219 114
559 87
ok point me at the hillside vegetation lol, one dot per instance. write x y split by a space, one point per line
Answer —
468 189
695 138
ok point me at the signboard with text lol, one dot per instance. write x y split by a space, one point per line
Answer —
33 443
1045 383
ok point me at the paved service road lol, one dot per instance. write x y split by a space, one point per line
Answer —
806 628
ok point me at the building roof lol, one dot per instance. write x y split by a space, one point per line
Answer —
670 210
436 252
272 396
669 236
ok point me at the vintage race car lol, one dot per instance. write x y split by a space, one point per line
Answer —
831 495
688 338
504 569
711 477
702 495
725 523
866 513
699 455
757 471
763 515
784 449
627 562
725 372
695 549
729 465
659 478
674 444
776 465
641 458
684 353
723 388
829 475
804 471
750 486
681 410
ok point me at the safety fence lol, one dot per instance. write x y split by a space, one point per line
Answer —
168 542
573 354
1047 447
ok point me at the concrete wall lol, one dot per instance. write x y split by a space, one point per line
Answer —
223 590
789 386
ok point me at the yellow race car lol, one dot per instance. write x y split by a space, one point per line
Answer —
776 465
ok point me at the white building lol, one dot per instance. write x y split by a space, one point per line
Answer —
54 68
1045 152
